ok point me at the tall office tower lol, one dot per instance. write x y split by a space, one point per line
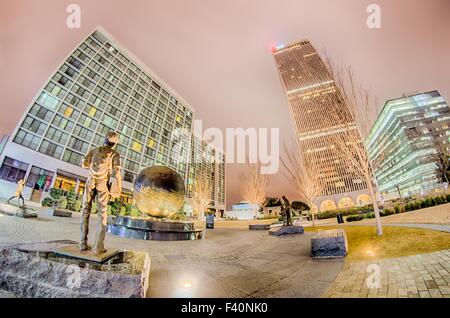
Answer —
309 88
99 87
408 131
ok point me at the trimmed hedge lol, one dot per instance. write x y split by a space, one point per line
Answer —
344 212
425 203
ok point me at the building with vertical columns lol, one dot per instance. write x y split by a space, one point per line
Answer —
407 132
99 87
207 163
306 81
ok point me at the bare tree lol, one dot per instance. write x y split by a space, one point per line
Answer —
254 186
304 175
441 159
351 124
201 196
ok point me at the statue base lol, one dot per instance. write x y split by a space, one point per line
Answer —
55 270
287 230
17 211
143 229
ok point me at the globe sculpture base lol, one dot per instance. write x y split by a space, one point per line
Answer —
145 229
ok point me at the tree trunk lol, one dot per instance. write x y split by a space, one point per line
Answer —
376 210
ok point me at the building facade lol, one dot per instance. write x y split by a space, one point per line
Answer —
99 87
311 93
243 211
207 163
407 133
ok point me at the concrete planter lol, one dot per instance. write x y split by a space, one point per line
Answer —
329 244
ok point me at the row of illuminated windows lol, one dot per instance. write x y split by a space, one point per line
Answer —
144 81
102 93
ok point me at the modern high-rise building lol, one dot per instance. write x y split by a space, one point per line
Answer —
408 131
99 87
309 88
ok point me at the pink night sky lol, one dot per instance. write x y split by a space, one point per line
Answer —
217 54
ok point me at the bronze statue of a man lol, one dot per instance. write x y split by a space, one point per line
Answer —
103 162
286 208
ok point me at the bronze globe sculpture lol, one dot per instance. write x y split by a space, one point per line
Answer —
159 191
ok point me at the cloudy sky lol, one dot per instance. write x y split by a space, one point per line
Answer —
216 54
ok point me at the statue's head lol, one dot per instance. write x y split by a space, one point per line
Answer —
284 197
112 139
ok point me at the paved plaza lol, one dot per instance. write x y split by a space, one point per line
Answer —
235 262
228 263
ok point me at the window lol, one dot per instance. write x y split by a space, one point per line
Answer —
86 83
68 112
34 125
98 140
56 135
75 63
93 43
113 111
47 100
39 179
124 129
61 79
128 176
109 121
124 140
13 170
136 146
69 71
83 133
26 139
63 123
74 101
128 119
41 112
132 166
72 157
150 152
151 143
133 155
87 121
91 74
78 145
97 67
51 149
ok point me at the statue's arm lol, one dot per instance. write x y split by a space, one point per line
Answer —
117 175
86 163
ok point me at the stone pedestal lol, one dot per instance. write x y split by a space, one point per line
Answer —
62 213
259 227
40 271
329 244
14 210
145 229
287 230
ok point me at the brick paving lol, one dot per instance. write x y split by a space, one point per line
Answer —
418 276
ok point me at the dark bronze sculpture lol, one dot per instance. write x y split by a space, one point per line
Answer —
286 211
159 191
103 162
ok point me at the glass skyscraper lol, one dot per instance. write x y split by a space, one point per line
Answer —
100 87
308 86
406 134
